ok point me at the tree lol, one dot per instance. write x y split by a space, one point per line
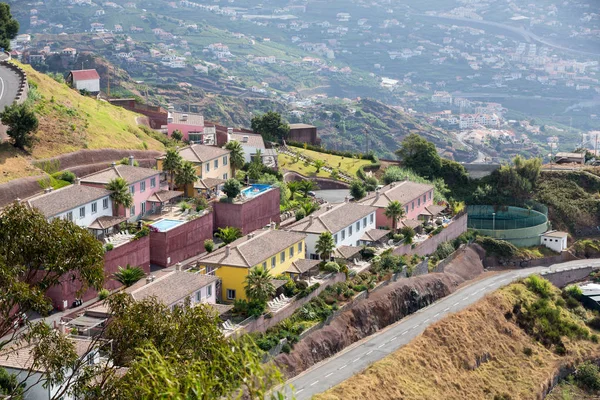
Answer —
371 183
171 163
270 126
121 196
408 233
232 188
21 122
186 175
9 27
259 285
307 186
229 234
357 190
325 245
129 275
177 135
9 385
420 155
236 157
293 186
209 245
309 207
318 165
394 211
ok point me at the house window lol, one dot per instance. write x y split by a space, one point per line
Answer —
230 294
199 295
273 261
430 193
209 291
371 218
412 205
299 247
69 216
419 202
350 230
364 222
424 198
82 212
343 234
216 163
335 239
291 251
132 211
143 208
94 207
264 266
153 182
358 226
207 167
282 256
132 189
224 176
406 210
224 160
143 186
104 204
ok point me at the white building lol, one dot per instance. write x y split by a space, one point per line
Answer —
87 79
441 98
347 222
251 143
555 240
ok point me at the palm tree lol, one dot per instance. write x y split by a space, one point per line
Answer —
129 275
325 245
236 157
318 165
171 164
309 207
121 196
294 187
259 285
186 175
306 186
229 234
395 212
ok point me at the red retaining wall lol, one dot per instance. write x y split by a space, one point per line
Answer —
182 242
249 216
454 230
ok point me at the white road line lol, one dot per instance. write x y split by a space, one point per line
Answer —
394 338
328 375
380 346
455 304
404 333
301 390
426 320
356 359
435 316
446 309
368 353
343 366
314 383
2 92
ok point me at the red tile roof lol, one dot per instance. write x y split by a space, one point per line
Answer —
85 75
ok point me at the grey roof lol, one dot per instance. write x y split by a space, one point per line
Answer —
208 183
130 173
374 235
164 196
303 265
105 222
20 356
301 126
346 252
254 139
332 220
556 234
199 153
403 192
65 199
172 287
249 251
191 119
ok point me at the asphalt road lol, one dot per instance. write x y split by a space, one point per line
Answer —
9 85
360 355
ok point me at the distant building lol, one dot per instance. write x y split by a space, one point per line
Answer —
570 158
189 124
86 79
251 143
304 133
555 240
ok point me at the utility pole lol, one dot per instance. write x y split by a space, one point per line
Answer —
108 94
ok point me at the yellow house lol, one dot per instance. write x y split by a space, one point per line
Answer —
271 249
212 166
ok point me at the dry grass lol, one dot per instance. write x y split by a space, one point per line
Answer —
442 362
14 164
69 122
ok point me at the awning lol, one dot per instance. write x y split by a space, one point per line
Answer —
102 223
220 308
346 252
302 266
374 235
208 183
164 195
413 223
433 210
278 282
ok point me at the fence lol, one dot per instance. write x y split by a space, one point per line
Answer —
505 218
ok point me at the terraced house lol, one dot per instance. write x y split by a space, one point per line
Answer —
271 249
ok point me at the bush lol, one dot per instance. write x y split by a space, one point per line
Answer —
498 248
103 294
145 231
539 285
209 245
232 188
443 250
594 338
300 214
331 266
587 376
66 176
408 233
368 253
528 351
286 348
357 190
109 246
573 291
594 323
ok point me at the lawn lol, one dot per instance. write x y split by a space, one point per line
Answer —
287 162
346 165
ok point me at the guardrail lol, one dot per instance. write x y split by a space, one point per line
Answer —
23 90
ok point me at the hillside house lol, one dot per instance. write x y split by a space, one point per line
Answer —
189 124
304 133
555 240
251 143
270 249
347 222
87 79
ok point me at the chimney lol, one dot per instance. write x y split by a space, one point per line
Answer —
131 160
47 190
184 117
245 139
227 250
377 194
392 184
229 131
78 181
273 224
312 218
347 199
148 279
114 164
178 266
329 207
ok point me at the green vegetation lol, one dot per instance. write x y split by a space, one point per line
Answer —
209 245
232 188
271 126
129 275
9 26
21 122
397 174
258 285
236 157
395 212
325 245
121 196
357 190
348 164
229 234
103 294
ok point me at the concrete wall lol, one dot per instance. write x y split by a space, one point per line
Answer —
452 231
562 277
180 243
477 171
322 183
91 85
250 215
304 135
156 115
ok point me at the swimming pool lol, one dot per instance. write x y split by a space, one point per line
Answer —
166 224
255 190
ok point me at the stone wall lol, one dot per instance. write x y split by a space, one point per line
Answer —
251 215
23 90
322 183
565 276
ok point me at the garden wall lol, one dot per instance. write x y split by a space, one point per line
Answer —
251 215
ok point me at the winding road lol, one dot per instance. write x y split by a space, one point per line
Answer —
360 355
9 86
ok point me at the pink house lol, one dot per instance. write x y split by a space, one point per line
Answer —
189 124
149 193
416 198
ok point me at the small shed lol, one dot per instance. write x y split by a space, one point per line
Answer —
85 79
555 240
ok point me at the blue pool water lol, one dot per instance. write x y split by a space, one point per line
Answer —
166 224
255 190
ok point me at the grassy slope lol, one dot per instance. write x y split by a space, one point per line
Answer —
346 165
71 122
441 363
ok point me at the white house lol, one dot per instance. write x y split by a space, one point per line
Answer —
555 240
86 79
251 143
347 222
77 203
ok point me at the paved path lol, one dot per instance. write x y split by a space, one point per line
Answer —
360 355
9 86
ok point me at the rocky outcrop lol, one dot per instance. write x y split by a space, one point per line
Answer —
382 308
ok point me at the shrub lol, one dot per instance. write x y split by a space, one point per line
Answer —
573 291
301 285
300 214
209 245
499 248
408 233
184 205
539 285
587 376
109 246
368 253
357 190
103 294
528 351
66 176
594 323
443 250
145 231
232 188
286 348
331 266
594 338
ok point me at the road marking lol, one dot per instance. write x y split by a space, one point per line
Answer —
2 92
314 383
435 316
301 390
404 333
426 320
380 346
394 338
356 359
446 309
455 304
343 366
328 375
369 353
